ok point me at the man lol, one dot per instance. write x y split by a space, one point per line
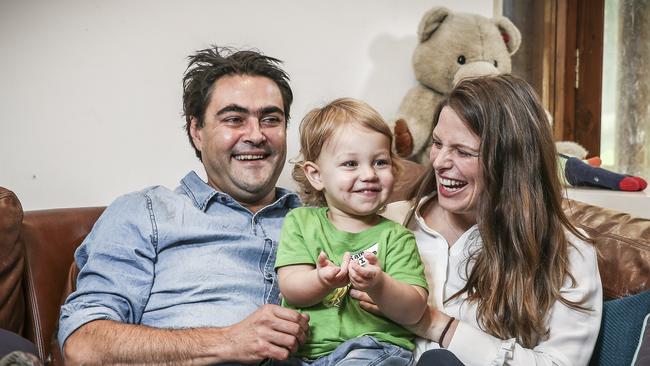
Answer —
186 276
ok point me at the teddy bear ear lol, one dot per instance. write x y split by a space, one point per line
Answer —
509 32
431 21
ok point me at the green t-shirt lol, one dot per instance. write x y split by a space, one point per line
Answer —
305 232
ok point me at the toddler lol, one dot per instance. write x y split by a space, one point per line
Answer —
347 173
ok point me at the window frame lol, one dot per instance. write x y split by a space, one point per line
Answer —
567 73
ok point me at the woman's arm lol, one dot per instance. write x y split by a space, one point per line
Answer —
303 285
572 333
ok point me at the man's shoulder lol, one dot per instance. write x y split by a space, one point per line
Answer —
146 194
145 201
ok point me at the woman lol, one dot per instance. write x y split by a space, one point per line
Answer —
512 281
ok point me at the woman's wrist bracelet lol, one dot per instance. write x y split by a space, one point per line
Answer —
444 332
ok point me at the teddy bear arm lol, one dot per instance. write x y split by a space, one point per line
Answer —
416 111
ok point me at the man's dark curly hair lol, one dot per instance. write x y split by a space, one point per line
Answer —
208 65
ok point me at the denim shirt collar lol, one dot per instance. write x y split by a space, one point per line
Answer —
201 194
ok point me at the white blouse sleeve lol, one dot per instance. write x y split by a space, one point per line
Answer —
573 333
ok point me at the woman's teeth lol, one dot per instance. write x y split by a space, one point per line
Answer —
452 184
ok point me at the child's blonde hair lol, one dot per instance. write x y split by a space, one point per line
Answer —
319 125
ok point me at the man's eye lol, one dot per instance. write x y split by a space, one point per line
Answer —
437 144
350 164
233 120
271 120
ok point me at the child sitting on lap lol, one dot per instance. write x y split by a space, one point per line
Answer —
347 173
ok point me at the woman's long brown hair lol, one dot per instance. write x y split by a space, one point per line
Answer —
519 270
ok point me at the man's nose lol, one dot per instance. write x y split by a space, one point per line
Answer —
254 133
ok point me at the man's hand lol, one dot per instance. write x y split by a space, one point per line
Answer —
367 277
270 332
330 274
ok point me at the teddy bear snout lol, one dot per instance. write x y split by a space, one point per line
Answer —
474 69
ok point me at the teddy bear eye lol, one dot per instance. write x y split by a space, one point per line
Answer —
496 64
461 60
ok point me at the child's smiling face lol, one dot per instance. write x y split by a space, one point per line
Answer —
355 171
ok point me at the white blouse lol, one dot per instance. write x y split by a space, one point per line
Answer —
573 333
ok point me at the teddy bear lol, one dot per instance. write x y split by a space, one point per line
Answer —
452 46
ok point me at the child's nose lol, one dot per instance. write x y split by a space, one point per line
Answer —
368 173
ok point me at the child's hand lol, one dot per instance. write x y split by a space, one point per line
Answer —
330 274
367 277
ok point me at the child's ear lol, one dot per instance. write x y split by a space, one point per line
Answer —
312 172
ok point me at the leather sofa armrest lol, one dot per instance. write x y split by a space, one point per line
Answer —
50 238
12 263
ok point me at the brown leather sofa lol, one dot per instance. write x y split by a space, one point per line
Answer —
37 269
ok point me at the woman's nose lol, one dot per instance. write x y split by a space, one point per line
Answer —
440 158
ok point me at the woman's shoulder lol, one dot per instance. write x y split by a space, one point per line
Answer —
583 261
579 248
397 211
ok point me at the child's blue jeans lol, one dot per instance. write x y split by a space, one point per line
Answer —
361 351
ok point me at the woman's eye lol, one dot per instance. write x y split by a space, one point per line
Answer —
465 154
437 144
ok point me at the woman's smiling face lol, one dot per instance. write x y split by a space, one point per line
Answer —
455 159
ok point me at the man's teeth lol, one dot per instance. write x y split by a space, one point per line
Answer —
249 157
452 184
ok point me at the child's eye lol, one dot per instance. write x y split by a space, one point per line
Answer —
382 162
350 164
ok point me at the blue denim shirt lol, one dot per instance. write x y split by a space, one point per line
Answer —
193 257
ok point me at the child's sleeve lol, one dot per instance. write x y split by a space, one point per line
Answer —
292 248
403 261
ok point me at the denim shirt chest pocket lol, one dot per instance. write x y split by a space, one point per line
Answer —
222 258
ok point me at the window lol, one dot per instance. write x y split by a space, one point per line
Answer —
588 59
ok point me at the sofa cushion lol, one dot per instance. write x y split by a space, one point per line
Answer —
620 329
12 263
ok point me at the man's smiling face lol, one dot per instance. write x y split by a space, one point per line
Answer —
243 138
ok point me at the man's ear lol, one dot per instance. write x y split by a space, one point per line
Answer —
195 132
312 172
